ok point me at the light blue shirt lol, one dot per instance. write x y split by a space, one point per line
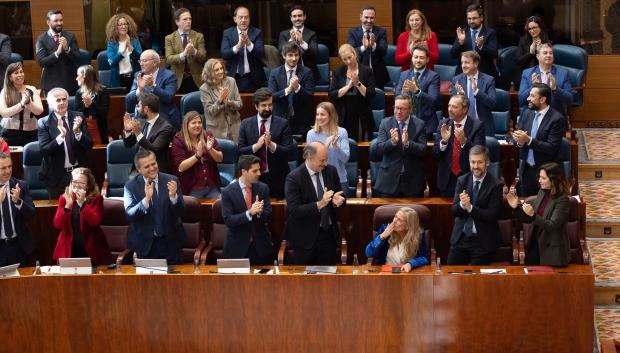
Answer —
338 157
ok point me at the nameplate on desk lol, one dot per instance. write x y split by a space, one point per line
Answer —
151 266
9 271
321 269
75 266
492 271
233 266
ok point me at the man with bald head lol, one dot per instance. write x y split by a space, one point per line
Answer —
313 194
159 81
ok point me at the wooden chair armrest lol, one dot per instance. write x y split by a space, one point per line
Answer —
205 253
427 191
585 254
433 256
201 246
359 187
124 255
282 251
521 249
343 251
369 261
105 185
368 185
515 251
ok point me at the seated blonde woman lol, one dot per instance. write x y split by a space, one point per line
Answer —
400 242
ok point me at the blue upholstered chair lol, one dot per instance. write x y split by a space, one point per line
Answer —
392 68
501 113
32 166
104 77
352 167
15 58
102 61
495 168
228 166
322 65
119 161
85 56
506 66
575 60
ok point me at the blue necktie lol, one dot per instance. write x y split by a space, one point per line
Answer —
530 153
159 229
6 216
468 229
291 95
473 39
472 98
401 128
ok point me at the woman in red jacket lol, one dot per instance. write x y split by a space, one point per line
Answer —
78 217
416 31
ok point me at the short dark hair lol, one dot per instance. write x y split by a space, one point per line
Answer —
296 7
480 149
51 13
141 154
290 47
368 7
261 95
151 101
240 7
475 7
246 162
472 54
179 12
464 100
403 97
4 155
543 91
421 47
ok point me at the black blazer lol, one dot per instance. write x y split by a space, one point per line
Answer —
5 55
53 154
58 71
362 105
240 229
474 130
98 110
428 101
310 55
546 145
230 38
485 211
304 218
23 215
159 139
302 100
376 57
488 53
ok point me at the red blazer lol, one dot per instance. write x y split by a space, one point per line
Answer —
90 219
403 56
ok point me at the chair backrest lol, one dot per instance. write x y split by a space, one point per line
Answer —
323 54
272 57
377 116
506 223
71 103
444 56
119 164
495 168
191 101
507 62
445 72
228 166
114 225
32 166
385 214
322 65
352 166
192 225
104 77
102 61
85 56
575 60
390 56
15 58
378 101
501 111
218 231
565 158
394 75
374 162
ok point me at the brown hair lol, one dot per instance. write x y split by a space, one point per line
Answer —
189 143
91 80
92 190
425 32
411 239
10 93
555 173
111 31
332 127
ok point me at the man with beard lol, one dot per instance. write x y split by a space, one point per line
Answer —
370 43
268 137
476 206
58 55
149 130
304 37
539 138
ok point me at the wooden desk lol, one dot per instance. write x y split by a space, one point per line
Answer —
417 312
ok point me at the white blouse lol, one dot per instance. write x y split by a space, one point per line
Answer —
10 115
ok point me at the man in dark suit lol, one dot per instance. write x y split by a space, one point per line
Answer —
159 81
370 43
479 88
455 137
64 142
268 137
16 210
58 55
5 56
422 85
476 207
292 85
304 37
313 193
151 131
154 210
246 210
539 138
243 50
402 147
478 38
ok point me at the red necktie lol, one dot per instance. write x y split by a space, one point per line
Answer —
456 152
263 151
248 196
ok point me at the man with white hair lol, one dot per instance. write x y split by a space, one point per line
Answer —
64 142
159 81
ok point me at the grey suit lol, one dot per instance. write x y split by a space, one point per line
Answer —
58 71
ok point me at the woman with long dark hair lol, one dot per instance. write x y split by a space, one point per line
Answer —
92 99
535 35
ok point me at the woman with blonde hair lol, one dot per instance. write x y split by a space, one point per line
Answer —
195 154
221 100
335 138
401 242
123 50
417 31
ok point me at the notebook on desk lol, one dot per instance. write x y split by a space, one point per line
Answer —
9 271
233 266
75 266
321 269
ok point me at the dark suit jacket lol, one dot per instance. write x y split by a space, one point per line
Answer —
302 100
475 136
304 218
560 99
53 163
5 55
240 229
394 156
141 222
488 53
159 139
22 216
553 242
355 38
309 56
277 162
98 110
485 99
428 101
546 145
230 38
485 211
58 71
166 89
353 107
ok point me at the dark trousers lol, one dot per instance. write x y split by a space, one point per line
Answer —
245 83
11 253
187 85
126 81
55 191
528 181
322 253
448 191
276 189
532 256
161 250
403 190
19 137
469 251
257 259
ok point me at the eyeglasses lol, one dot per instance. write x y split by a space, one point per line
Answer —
532 28
144 61
122 25
78 183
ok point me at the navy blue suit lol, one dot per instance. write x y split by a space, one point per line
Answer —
277 162
10 254
241 230
560 99
373 59
485 99
428 101
394 157
230 38
165 88
488 53
446 180
301 116
142 221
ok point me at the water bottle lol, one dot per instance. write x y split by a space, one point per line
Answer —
118 265
276 269
438 265
37 269
196 265
356 265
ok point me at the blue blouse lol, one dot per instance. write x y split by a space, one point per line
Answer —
338 157
378 249
114 57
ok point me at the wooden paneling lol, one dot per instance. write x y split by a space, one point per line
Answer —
349 16
601 71
601 94
73 18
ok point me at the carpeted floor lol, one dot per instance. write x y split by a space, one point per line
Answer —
596 146
604 253
602 200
